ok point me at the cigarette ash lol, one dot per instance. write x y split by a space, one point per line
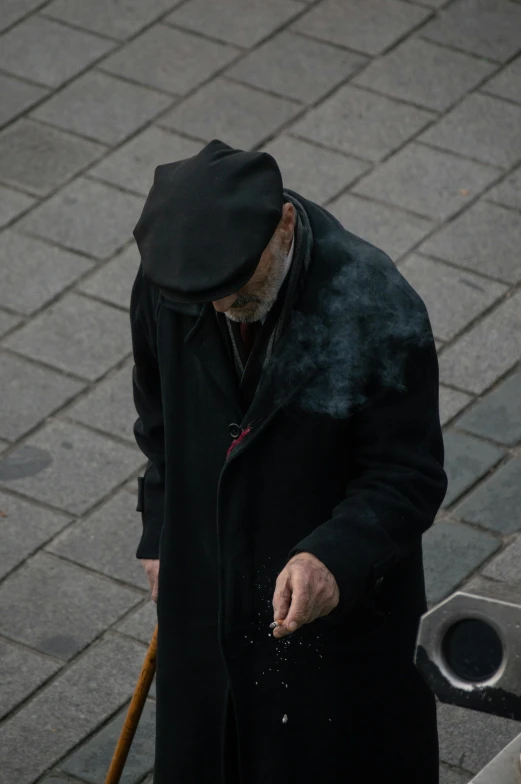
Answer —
286 651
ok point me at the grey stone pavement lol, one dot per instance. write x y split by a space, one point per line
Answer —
404 119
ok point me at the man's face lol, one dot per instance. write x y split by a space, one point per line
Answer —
254 300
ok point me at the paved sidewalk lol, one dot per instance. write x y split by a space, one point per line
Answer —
404 119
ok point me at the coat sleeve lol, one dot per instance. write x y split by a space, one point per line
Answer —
397 485
149 427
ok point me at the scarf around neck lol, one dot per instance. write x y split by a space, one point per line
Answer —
249 372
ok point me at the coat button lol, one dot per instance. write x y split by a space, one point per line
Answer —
234 430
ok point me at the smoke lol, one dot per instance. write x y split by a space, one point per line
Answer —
363 325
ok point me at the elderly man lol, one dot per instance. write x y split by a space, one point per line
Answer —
286 384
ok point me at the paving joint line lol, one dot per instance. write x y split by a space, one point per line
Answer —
120 582
262 90
459 266
33 12
71 26
104 635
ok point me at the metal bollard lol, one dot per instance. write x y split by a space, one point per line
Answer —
469 651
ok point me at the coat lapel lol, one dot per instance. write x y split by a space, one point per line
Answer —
206 342
271 394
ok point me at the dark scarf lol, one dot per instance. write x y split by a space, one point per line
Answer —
249 371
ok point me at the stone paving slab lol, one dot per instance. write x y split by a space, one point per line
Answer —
57 780
423 73
91 761
453 775
68 467
17 96
232 111
24 528
29 394
109 407
507 83
467 459
41 272
103 107
106 541
77 335
48 53
171 60
296 67
430 182
140 623
7 322
482 127
485 239
469 739
497 416
369 27
453 297
362 123
73 705
508 192
38 158
132 165
490 349
13 10
451 403
12 203
58 608
395 231
496 503
330 173
109 17
488 28
112 217
506 567
22 672
240 22
484 586
452 551
113 282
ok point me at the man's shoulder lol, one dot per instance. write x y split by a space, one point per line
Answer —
349 263
332 241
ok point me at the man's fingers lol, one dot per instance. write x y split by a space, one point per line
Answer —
299 609
281 597
151 567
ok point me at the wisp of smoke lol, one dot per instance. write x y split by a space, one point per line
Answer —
367 320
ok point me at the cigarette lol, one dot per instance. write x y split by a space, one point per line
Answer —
275 624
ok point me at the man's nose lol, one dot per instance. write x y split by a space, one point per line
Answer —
224 304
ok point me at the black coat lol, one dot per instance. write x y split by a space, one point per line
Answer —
344 460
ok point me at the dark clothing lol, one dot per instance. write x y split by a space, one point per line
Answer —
341 455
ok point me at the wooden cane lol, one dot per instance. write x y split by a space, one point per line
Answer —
134 712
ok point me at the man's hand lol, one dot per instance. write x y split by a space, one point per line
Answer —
152 570
305 590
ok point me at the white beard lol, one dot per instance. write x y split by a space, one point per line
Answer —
254 307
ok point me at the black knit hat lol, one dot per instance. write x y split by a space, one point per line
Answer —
207 220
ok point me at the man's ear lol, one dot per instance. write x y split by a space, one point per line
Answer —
289 217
